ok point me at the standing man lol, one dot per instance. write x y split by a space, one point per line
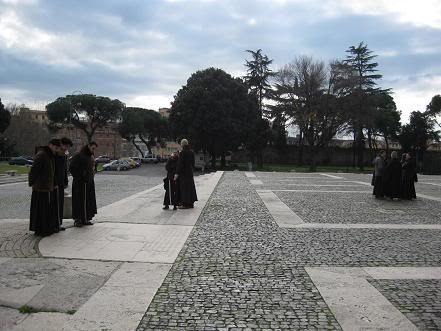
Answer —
408 178
379 164
184 176
392 177
44 211
170 197
61 180
82 168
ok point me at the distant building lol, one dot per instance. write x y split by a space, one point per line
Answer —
164 112
36 116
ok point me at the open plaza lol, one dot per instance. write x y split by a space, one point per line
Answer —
260 251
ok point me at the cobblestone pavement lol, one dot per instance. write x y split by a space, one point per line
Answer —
16 240
418 300
239 270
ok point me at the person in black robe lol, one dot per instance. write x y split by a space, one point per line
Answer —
61 179
379 164
170 185
408 178
392 177
184 176
44 212
82 168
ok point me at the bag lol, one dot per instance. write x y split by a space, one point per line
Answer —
415 178
373 179
165 180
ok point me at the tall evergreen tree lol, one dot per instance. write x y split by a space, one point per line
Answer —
5 117
358 81
258 76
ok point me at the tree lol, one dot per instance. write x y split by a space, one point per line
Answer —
305 90
387 119
146 124
87 112
213 110
258 75
433 109
23 134
5 117
418 134
357 83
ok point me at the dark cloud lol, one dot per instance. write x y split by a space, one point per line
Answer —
134 49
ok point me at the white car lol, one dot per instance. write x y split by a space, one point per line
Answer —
117 165
150 159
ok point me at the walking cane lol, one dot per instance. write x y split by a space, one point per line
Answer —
58 208
169 191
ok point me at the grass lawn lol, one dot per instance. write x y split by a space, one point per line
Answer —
21 170
295 168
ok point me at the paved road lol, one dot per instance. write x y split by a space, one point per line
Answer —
110 187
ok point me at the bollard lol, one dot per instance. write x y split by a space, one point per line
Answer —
250 166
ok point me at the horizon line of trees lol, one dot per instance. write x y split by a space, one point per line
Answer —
221 113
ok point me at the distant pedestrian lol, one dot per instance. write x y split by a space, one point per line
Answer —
170 185
379 164
184 176
408 178
82 168
44 211
61 179
392 177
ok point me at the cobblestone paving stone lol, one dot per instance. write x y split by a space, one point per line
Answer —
418 300
230 274
360 208
17 241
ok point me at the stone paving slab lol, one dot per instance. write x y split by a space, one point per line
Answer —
61 285
121 302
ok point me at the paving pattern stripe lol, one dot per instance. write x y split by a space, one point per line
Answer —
365 226
285 217
357 304
256 182
331 176
434 184
282 214
424 196
321 191
250 174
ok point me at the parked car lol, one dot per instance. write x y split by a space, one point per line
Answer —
131 162
20 160
138 160
150 159
117 165
103 159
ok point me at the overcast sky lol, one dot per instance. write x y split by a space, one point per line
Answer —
142 52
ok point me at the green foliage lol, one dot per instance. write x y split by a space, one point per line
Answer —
418 133
5 117
214 111
434 108
258 75
87 112
146 124
387 117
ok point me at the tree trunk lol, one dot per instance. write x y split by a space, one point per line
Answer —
137 147
300 154
313 165
360 148
146 143
213 161
222 161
